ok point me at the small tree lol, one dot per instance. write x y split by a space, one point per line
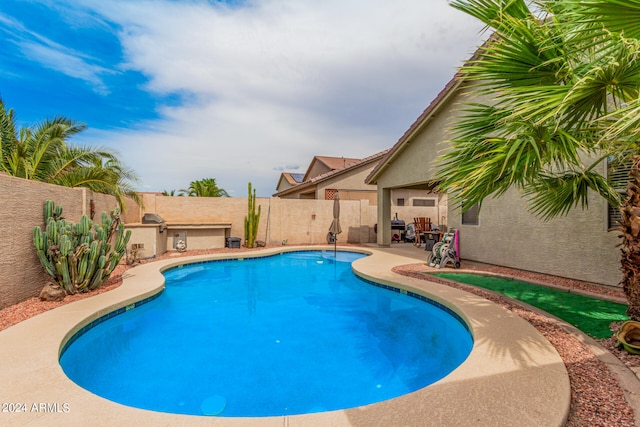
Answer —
79 256
559 85
251 220
206 187
42 153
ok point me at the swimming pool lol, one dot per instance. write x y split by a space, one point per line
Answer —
286 334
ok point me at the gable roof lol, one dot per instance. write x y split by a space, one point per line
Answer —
297 177
331 163
438 102
293 178
417 126
352 164
288 179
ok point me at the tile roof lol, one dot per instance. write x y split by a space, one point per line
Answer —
350 165
337 162
331 163
297 177
293 178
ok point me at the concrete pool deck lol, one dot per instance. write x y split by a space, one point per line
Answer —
513 375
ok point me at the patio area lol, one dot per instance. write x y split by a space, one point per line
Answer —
487 389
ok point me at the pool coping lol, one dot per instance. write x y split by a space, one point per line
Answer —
513 375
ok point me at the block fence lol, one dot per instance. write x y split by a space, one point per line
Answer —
282 220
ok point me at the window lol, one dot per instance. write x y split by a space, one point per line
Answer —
400 202
618 174
424 202
470 217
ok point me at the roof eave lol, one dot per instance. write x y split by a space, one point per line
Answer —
434 107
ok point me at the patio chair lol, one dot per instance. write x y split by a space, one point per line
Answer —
422 225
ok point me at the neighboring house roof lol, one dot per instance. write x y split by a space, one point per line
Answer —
414 129
288 180
296 178
351 165
328 163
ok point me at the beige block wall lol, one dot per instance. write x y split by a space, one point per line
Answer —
22 201
297 221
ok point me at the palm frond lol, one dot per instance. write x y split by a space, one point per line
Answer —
490 12
618 16
552 195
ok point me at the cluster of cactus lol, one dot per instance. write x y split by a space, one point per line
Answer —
251 220
79 256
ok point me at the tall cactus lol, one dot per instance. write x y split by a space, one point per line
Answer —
252 220
79 256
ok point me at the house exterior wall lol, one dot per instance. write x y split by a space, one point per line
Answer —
437 213
351 185
415 163
316 169
283 184
577 245
308 193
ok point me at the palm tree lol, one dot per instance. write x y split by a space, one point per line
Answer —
41 153
561 84
206 187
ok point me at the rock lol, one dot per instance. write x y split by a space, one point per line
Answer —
52 292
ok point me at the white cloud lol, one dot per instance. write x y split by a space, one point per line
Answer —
54 55
67 63
275 82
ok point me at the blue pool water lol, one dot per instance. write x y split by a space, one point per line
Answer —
286 334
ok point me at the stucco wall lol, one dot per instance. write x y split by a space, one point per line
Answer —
22 201
317 168
414 164
352 180
437 213
576 246
150 240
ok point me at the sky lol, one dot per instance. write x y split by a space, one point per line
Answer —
238 90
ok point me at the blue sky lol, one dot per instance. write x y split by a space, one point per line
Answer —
239 91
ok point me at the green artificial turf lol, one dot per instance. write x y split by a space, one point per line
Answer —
592 316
